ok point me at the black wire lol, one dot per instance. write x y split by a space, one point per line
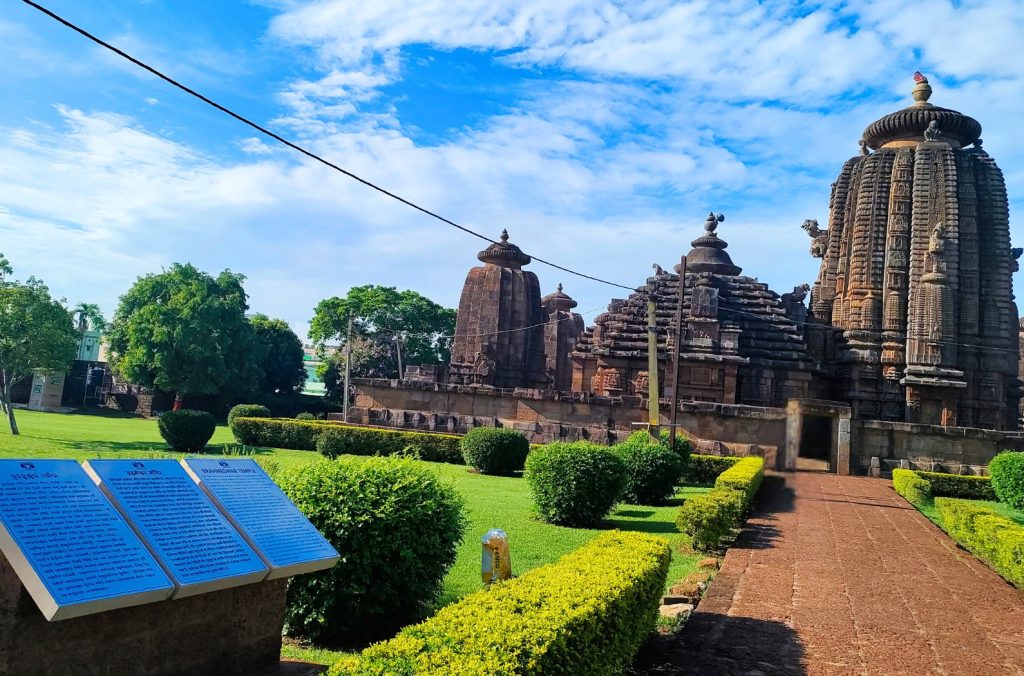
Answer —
290 144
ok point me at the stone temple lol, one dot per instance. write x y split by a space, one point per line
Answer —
911 317
912 314
740 343
905 349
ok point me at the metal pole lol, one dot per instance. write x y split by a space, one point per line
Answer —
348 369
652 362
675 353
398 348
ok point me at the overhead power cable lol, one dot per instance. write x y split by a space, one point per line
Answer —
294 146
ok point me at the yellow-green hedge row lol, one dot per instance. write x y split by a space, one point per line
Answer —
916 490
588 613
995 539
707 519
333 439
745 476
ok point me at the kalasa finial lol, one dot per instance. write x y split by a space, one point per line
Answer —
922 90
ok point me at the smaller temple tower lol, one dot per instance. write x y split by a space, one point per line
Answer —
499 330
561 334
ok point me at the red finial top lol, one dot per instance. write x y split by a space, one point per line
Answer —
918 77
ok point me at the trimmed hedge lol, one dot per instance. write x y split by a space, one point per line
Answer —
1007 471
958 486
706 519
916 489
652 469
745 476
574 484
495 450
544 622
397 528
247 411
306 435
187 431
704 469
995 539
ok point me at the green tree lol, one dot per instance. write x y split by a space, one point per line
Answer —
385 320
88 317
282 365
36 333
185 331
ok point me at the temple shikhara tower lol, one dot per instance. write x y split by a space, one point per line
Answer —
499 334
916 275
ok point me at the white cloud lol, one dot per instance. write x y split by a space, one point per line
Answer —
659 113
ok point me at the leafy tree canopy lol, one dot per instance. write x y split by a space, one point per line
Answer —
88 317
282 364
381 315
36 333
185 331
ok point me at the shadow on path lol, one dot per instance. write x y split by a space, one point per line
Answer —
774 497
718 644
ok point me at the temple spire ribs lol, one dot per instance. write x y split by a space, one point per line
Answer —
916 274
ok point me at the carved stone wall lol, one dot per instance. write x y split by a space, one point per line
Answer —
916 276
499 330
561 333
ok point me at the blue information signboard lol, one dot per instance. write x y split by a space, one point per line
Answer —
196 544
69 546
271 523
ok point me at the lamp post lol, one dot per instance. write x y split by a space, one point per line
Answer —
652 361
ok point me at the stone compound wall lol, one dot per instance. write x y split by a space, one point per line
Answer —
545 416
234 631
715 429
957 450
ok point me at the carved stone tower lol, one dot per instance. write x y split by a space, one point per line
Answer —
562 331
499 331
916 273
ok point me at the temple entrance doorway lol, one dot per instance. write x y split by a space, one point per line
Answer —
817 436
815 444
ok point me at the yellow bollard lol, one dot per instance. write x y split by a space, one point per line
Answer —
496 564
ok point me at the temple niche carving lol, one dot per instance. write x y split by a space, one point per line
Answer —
916 276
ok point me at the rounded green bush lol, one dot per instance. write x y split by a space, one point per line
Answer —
683 447
1007 472
247 411
494 450
652 471
305 416
187 431
397 529
574 484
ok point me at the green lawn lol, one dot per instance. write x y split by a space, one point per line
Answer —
492 502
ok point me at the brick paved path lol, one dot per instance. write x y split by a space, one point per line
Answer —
839 575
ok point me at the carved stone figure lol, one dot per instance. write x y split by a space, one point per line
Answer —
819 237
798 294
932 132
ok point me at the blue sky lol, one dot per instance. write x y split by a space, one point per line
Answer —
599 133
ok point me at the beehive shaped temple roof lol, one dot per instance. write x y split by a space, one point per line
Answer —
767 332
